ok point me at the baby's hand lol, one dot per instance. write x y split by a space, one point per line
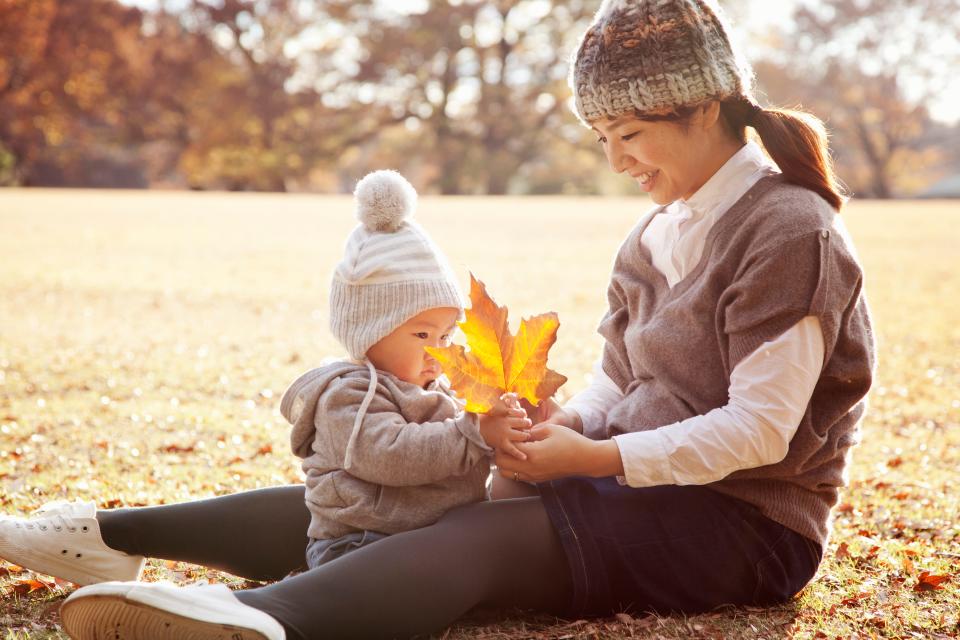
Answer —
505 424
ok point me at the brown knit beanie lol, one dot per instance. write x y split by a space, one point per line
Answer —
655 56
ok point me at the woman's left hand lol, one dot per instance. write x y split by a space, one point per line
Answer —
554 451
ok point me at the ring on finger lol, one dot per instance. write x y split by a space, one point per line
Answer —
516 476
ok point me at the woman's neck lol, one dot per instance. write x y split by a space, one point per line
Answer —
716 156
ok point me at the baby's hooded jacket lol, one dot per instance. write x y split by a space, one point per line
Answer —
381 454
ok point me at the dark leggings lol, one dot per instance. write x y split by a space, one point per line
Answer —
499 554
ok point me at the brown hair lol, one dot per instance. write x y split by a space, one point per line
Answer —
795 140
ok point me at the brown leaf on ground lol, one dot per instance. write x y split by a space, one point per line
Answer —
179 448
24 587
842 552
928 582
855 599
10 569
263 450
908 567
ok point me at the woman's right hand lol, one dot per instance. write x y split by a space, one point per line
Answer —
550 411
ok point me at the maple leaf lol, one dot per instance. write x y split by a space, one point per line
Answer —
497 362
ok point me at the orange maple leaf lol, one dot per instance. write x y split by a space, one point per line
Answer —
498 362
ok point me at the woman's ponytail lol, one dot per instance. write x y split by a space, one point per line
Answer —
795 140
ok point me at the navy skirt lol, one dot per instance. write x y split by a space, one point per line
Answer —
671 549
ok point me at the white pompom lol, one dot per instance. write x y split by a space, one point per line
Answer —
384 200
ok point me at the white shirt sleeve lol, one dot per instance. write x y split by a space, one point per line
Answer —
769 393
593 403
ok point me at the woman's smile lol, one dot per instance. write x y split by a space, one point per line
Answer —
646 179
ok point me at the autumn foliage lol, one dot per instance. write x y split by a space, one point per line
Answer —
498 362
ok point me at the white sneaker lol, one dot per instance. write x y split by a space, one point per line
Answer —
63 539
158 610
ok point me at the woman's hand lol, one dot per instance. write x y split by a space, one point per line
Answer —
556 451
504 425
549 411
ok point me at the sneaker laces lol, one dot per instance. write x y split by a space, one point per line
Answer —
60 515
76 509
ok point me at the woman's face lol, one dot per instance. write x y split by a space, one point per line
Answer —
668 160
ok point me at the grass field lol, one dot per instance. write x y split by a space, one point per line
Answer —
145 339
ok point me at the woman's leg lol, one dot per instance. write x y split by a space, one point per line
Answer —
260 534
504 488
503 553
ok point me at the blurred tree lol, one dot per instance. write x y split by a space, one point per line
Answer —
869 69
263 123
481 85
67 104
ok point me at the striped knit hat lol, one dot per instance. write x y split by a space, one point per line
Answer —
391 271
655 56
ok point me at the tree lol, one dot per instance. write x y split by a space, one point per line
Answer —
66 79
869 69
481 86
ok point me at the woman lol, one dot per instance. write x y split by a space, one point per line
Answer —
700 467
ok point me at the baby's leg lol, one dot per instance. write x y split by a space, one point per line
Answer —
260 534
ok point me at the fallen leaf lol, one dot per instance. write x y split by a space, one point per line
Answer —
842 552
498 362
24 587
908 567
855 599
10 569
178 448
928 582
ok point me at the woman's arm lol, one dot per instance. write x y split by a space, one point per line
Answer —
588 408
557 452
769 393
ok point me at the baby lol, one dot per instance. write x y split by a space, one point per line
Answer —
387 447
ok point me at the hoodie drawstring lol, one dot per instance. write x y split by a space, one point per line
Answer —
367 399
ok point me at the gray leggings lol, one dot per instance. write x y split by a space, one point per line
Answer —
495 554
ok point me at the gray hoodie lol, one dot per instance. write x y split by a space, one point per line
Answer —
381 454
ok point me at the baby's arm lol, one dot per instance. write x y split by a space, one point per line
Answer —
505 424
388 449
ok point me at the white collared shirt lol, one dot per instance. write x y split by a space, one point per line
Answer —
769 389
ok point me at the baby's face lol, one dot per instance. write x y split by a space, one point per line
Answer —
402 352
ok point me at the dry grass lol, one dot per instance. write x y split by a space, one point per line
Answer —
145 339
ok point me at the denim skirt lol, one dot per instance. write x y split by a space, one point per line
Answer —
672 549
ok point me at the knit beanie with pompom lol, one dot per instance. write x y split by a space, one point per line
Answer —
391 270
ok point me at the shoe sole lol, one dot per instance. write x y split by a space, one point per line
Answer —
117 618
